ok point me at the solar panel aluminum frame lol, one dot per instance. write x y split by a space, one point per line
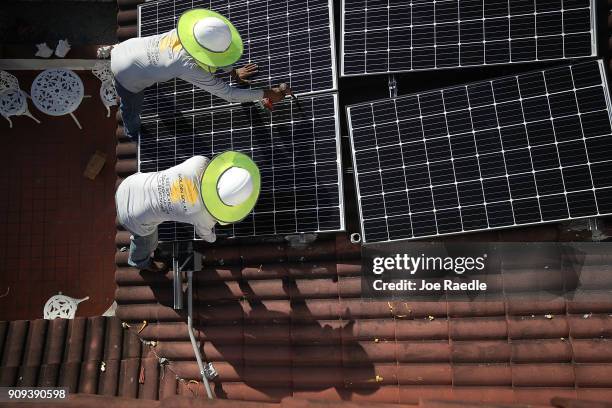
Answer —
339 160
594 28
332 34
341 200
364 240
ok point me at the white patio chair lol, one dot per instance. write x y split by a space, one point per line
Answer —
102 71
108 94
8 81
62 307
14 102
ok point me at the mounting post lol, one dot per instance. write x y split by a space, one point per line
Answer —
392 86
597 234
176 278
203 367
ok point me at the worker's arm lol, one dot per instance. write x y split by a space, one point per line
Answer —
216 86
227 69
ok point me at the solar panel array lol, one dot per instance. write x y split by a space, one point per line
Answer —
296 148
519 150
380 36
290 40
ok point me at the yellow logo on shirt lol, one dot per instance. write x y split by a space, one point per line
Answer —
170 42
184 191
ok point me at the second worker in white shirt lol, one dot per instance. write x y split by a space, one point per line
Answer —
198 192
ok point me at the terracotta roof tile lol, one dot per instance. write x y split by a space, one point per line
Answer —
87 355
13 351
128 377
109 383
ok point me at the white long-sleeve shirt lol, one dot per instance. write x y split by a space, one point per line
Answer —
145 200
140 62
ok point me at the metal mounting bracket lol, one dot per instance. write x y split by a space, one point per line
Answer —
300 239
392 86
595 227
177 275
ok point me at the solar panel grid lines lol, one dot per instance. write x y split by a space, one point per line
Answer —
297 149
518 150
291 41
381 36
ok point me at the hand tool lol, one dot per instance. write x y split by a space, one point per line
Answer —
266 103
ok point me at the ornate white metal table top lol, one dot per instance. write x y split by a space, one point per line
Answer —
57 92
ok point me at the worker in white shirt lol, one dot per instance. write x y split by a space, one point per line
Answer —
203 42
198 191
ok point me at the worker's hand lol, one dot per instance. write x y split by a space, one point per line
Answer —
242 75
277 94
212 237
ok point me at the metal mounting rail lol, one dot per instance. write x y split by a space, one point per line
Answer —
178 305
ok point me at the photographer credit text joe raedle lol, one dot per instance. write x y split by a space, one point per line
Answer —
401 265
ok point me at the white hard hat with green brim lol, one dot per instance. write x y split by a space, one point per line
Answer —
209 38
230 187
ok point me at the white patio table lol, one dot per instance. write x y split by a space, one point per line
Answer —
58 92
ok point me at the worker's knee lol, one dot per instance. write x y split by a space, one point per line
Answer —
131 123
141 248
132 129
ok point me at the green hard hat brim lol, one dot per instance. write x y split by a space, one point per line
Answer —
210 196
184 29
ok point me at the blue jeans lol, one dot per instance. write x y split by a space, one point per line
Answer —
130 107
140 250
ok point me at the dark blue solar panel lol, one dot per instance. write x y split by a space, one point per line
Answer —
380 36
296 148
518 150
